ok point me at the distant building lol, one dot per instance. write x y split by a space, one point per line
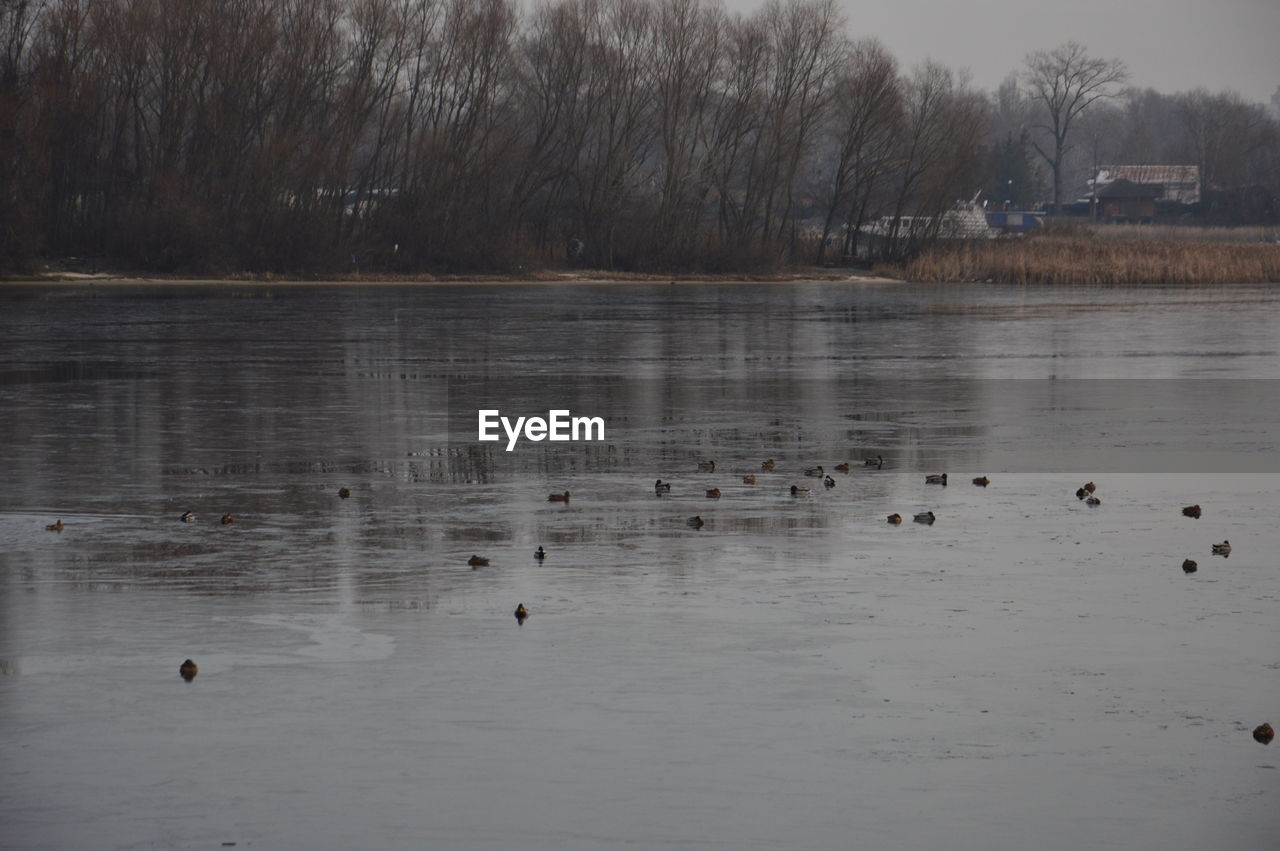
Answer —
1125 201
1175 184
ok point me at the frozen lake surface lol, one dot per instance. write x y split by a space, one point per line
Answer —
1027 672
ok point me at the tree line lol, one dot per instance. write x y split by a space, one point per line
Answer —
462 135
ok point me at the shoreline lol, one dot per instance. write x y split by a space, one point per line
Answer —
589 278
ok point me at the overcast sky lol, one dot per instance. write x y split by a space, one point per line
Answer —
1169 45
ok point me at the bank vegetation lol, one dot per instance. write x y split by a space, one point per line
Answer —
1077 259
401 135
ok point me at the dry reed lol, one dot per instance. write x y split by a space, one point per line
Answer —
1182 233
1072 260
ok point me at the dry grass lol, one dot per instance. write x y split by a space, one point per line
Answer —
1073 260
1181 233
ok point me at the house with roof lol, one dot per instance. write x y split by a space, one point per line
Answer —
1176 184
1125 201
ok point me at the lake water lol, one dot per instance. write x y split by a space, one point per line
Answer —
1028 671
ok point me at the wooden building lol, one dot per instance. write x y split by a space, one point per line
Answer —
1126 201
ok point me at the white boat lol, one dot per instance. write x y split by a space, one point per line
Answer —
966 220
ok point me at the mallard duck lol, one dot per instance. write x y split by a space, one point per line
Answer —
713 493
694 522
1090 487
343 493
1263 734
1191 511
1094 501
767 465
559 497
228 519
748 480
1189 566
1223 549
521 613
924 517
661 487
796 490
188 670
877 461
843 468
895 518
982 481
936 479
55 527
187 517
707 466
478 561
815 471
828 483
540 553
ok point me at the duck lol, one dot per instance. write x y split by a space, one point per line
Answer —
936 479
877 461
188 670
707 466
344 493
748 480
828 483
925 517
661 487
521 613
713 493
844 468
1081 493
1263 734
1090 487
1223 549
694 522
55 527
982 481
895 518
228 519
559 497
1189 566
187 517
539 553
1191 511
478 561
815 471
1093 500
767 465
796 490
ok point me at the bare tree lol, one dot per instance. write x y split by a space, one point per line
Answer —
866 106
940 125
1064 83
20 167
687 36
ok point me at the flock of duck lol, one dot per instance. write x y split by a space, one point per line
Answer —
1087 492
696 522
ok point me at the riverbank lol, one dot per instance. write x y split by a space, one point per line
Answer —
1049 258
804 274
